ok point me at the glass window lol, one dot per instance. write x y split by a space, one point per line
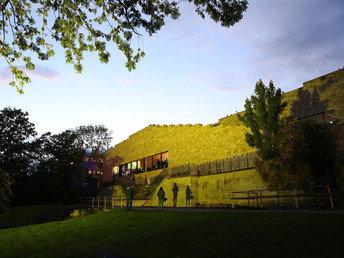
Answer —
115 169
157 161
134 165
149 163
141 165
164 159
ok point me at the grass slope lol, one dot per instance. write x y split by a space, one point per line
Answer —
28 215
180 234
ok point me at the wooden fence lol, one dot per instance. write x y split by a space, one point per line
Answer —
317 196
214 167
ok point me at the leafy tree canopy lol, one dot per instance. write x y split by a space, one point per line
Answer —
89 25
94 138
16 134
309 152
263 117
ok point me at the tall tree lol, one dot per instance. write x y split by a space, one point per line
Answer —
16 150
263 117
89 25
309 152
58 173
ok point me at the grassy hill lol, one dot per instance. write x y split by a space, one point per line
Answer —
119 233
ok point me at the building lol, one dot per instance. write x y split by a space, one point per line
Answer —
149 150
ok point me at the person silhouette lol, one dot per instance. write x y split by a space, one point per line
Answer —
175 190
129 197
161 198
188 196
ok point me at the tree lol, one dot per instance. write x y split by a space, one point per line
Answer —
309 152
5 192
16 149
94 138
58 173
89 25
263 117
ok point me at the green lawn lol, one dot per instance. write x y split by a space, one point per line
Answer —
28 215
180 234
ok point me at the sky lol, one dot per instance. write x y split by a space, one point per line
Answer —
194 71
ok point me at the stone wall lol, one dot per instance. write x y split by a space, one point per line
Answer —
198 144
211 189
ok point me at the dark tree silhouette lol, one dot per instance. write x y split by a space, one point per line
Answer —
16 148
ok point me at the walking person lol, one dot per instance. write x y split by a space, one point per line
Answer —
175 190
161 198
129 194
188 195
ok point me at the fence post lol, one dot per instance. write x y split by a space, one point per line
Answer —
278 200
121 202
330 196
104 203
261 199
92 202
248 199
112 203
98 202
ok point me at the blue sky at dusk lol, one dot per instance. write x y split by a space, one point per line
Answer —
195 71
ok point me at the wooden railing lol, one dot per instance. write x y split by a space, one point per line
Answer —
315 196
214 167
109 202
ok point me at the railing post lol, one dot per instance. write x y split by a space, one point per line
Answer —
278 200
330 196
248 199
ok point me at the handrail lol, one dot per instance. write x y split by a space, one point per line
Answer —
286 193
214 167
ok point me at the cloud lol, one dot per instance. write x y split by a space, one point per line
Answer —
288 42
40 73
293 41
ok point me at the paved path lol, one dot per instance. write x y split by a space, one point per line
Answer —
335 211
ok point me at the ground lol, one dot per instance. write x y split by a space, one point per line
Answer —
140 233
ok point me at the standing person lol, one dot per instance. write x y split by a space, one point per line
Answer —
129 196
161 198
188 195
175 190
158 164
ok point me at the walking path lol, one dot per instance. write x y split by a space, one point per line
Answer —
335 211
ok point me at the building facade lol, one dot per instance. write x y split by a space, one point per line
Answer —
149 150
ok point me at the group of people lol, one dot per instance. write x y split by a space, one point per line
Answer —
161 197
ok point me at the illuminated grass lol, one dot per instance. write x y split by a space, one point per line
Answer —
184 234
